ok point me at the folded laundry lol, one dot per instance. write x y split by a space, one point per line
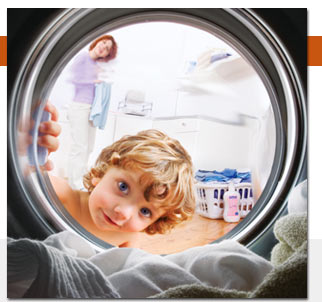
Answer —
224 176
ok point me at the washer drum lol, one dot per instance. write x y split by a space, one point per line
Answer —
38 53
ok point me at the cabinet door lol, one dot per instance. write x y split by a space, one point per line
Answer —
130 125
185 130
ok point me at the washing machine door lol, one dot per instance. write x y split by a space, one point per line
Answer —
41 42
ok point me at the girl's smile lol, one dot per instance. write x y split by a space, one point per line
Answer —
109 220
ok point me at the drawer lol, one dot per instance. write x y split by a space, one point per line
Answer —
177 125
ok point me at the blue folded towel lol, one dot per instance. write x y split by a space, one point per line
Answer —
224 176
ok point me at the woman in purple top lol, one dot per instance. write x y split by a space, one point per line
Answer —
84 76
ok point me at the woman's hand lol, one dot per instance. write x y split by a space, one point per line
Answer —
50 130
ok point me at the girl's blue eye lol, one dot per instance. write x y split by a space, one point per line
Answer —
146 212
123 187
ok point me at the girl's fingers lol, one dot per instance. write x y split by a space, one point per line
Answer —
50 127
48 166
48 141
52 109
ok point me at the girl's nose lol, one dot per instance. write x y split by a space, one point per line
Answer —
123 213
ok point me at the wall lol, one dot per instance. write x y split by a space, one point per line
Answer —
154 58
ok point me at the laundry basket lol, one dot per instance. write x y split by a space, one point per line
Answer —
210 203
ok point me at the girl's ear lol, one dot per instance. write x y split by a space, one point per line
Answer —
95 181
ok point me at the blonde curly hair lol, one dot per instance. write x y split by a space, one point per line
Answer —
164 163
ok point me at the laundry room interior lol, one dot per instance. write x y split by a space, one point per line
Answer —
198 89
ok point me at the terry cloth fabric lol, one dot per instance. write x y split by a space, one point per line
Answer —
224 176
288 278
291 232
101 103
65 266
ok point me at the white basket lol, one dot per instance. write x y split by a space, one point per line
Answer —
210 203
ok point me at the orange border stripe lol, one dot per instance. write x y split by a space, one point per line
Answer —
3 51
314 51
314 45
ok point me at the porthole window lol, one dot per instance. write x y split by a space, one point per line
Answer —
219 81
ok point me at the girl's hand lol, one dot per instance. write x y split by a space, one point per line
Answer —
51 130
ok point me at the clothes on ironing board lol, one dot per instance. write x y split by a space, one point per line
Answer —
224 176
101 103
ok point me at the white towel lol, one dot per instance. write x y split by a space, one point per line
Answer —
134 273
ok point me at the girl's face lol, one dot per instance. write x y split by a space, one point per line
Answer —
103 48
117 202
